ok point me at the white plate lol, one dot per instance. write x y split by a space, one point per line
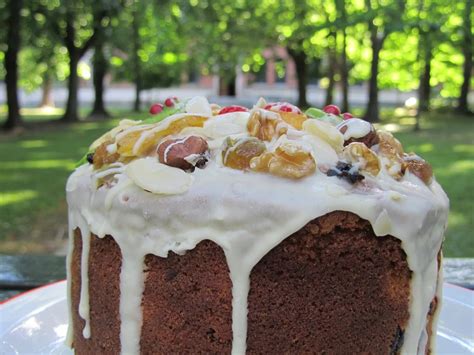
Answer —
36 322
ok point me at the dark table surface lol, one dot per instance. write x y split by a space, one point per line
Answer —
19 273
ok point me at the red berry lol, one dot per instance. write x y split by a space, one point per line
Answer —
170 101
233 108
332 109
283 107
156 109
347 115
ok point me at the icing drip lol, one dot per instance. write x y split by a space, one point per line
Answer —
84 298
232 207
69 334
439 297
132 281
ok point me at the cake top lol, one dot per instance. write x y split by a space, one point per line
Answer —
161 154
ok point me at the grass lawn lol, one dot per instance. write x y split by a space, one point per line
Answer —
36 164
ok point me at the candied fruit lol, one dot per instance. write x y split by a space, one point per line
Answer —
127 145
238 153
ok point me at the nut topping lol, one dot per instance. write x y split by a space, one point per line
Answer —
358 153
289 160
266 125
184 153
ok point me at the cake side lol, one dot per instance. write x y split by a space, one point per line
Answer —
332 287
342 290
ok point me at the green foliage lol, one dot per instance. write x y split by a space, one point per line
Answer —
161 48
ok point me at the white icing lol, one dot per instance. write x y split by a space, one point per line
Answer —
231 207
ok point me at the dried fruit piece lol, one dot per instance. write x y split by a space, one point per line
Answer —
289 160
389 145
215 108
366 160
266 125
391 151
294 119
357 130
142 143
184 153
238 153
90 158
102 156
158 178
326 132
233 108
418 167
346 171
289 113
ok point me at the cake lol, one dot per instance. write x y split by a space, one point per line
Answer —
263 230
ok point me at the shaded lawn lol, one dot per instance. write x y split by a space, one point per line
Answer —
36 164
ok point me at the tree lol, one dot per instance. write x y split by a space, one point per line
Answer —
382 22
77 25
467 53
148 46
11 64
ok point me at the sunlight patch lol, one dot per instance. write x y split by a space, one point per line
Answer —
39 143
17 196
40 164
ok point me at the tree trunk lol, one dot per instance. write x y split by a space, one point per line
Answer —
301 66
331 72
424 91
47 94
70 115
468 53
136 61
226 86
11 65
100 70
372 111
344 74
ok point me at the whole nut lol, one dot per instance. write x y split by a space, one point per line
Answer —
418 167
352 128
360 154
183 153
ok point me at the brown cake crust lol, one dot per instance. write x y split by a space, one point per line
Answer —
333 287
105 262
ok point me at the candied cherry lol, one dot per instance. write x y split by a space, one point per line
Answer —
347 115
156 109
232 108
171 101
332 109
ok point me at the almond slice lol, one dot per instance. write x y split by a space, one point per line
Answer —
151 175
